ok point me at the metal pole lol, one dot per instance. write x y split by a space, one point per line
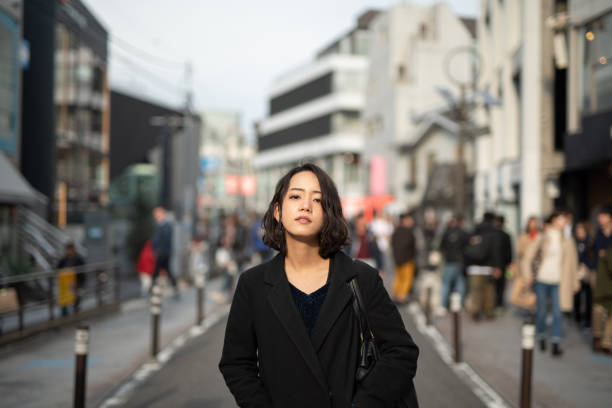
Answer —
527 364
460 174
80 349
199 283
156 305
456 308
428 306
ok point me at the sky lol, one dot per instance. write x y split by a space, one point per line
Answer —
236 48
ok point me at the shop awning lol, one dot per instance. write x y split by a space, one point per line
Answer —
14 189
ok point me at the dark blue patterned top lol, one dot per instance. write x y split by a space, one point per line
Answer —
309 306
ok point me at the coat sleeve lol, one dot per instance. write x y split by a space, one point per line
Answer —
392 375
239 357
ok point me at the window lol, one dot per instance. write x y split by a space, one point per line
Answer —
597 65
431 162
412 182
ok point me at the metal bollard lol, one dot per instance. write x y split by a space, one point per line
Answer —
455 301
80 350
156 306
199 283
428 306
527 364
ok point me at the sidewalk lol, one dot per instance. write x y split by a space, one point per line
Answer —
493 349
40 371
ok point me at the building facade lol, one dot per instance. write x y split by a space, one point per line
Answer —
586 182
520 161
315 114
66 108
406 126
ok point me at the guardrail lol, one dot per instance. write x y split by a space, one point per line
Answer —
39 301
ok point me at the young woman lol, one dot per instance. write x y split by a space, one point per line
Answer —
556 278
292 336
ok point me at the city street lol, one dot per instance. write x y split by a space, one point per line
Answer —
191 379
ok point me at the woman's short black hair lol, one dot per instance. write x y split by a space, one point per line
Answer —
334 234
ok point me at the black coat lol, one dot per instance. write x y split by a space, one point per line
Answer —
269 360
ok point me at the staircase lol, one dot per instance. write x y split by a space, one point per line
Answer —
43 241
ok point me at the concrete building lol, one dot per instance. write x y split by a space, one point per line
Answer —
586 182
226 175
315 113
407 126
66 108
520 162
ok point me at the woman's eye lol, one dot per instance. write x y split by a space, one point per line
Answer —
294 197
317 200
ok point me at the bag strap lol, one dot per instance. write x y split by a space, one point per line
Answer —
360 311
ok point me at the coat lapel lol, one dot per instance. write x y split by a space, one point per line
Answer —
283 305
338 296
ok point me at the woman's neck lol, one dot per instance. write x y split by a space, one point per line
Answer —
304 257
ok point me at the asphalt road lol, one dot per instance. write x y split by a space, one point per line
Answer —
191 379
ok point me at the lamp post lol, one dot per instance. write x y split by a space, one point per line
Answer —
462 68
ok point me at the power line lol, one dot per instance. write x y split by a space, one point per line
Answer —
149 75
121 43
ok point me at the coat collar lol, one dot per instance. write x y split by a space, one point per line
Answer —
283 305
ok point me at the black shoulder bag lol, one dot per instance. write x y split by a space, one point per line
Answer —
369 353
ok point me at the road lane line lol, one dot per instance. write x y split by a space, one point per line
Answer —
124 392
479 387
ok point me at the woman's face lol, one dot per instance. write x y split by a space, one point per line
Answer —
532 224
301 211
581 232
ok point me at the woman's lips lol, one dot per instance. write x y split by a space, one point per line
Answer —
303 220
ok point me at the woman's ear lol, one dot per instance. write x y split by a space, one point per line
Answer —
276 213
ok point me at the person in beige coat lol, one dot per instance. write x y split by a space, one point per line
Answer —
551 263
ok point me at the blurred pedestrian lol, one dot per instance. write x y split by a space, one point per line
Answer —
452 247
603 300
256 234
292 339
583 299
506 248
556 278
403 246
145 267
522 294
162 247
484 257
382 228
429 262
72 259
364 246
601 309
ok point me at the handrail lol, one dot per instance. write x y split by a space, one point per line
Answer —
51 273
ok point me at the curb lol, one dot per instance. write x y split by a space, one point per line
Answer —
486 393
125 390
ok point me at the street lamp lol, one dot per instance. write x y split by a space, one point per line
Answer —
462 67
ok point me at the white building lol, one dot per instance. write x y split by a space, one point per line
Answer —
520 161
315 114
407 129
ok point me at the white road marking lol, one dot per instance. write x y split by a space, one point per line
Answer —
124 392
478 386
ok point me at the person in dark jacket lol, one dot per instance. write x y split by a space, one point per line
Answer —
403 246
292 338
162 246
483 254
583 299
452 247
603 241
506 260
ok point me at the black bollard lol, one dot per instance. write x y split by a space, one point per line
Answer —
527 364
428 306
455 301
199 283
80 375
156 306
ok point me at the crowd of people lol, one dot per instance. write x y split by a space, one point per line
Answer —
555 268
556 264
